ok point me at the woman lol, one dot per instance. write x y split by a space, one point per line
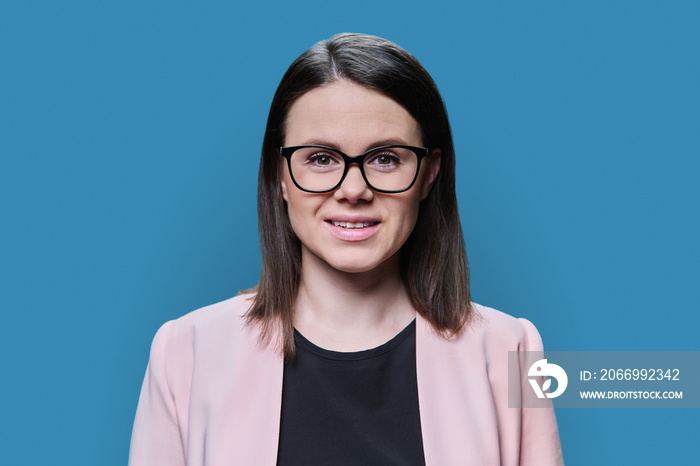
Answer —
360 345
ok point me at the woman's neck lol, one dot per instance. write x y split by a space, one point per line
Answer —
343 311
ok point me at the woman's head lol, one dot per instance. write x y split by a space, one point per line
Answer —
339 209
432 260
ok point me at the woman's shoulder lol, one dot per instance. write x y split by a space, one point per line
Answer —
224 320
216 315
494 329
499 323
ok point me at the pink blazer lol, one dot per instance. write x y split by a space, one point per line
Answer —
212 395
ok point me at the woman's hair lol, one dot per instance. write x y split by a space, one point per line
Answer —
433 260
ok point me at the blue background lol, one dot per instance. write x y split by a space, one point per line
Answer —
130 134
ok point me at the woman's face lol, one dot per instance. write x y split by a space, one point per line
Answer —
353 119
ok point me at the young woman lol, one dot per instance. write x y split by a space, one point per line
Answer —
360 345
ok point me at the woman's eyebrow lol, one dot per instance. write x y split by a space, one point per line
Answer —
320 142
389 142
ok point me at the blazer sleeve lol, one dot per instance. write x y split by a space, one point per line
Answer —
540 444
156 438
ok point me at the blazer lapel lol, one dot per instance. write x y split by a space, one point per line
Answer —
258 400
457 411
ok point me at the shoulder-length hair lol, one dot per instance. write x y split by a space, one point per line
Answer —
433 261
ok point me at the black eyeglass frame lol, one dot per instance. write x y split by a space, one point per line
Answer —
421 153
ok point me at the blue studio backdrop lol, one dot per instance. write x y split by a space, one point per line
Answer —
130 134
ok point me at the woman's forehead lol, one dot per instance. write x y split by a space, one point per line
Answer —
350 115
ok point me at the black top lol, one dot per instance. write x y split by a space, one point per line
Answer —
358 408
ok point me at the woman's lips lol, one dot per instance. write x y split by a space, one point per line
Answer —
353 231
352 224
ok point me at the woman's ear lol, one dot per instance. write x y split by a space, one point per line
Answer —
432 163
282 171
283 185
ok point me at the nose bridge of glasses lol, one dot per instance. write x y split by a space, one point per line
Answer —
353 170
354 160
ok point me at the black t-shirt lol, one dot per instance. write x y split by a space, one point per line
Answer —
357 408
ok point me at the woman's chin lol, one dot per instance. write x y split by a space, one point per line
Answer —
351 260
354 268
358 263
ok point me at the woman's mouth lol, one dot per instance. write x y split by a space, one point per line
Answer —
352 225
353 231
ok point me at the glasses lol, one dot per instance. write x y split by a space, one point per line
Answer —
385 169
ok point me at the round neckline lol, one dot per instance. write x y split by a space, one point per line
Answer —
384 348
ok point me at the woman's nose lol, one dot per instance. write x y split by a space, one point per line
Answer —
354 188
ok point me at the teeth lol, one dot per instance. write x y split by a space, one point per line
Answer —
352 224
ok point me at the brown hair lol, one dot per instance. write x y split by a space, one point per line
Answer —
433 259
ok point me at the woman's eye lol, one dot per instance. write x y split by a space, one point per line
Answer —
321 159
385 159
